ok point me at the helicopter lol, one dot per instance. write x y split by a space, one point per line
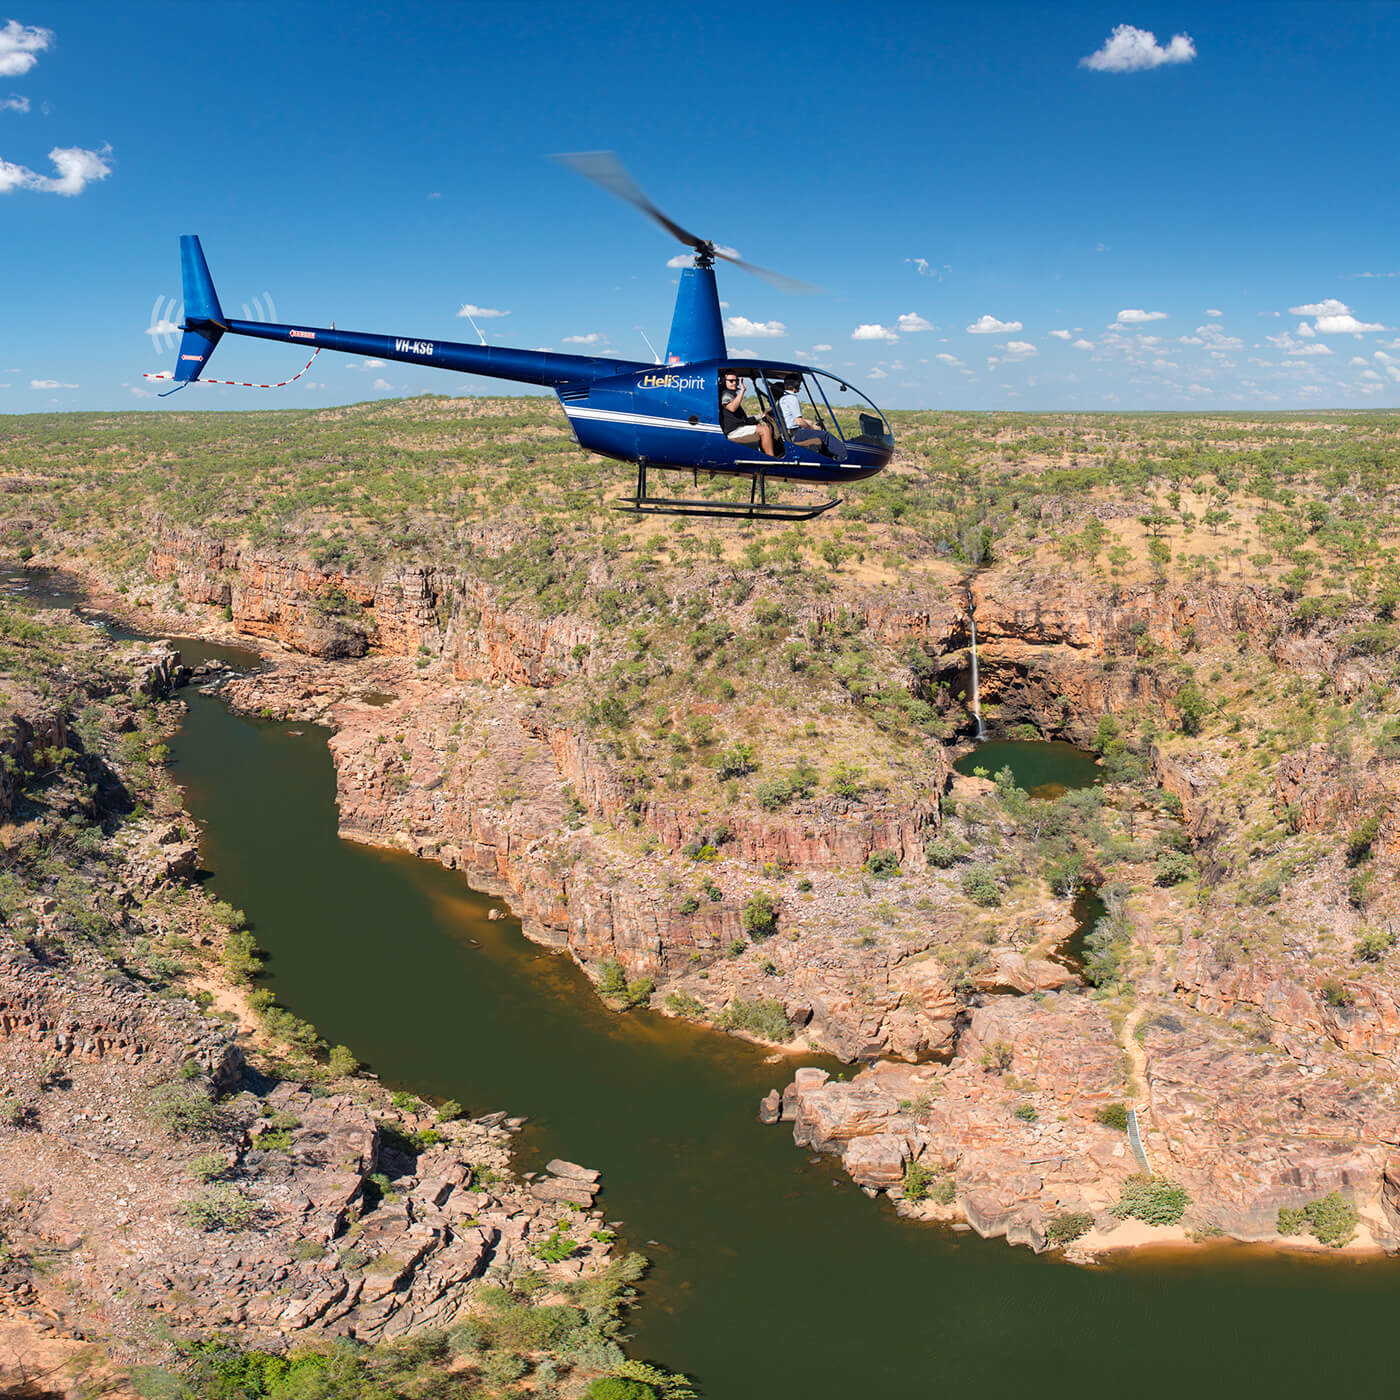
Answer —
658 416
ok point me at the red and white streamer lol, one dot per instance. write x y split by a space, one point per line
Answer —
244 383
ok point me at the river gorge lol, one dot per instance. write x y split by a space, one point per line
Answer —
772 1274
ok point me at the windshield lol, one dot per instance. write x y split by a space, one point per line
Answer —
853 415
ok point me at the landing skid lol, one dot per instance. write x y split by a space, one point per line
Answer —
756 508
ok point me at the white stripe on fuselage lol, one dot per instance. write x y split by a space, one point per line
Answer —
647 420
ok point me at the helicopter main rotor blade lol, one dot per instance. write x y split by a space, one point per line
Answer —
777 279
604 168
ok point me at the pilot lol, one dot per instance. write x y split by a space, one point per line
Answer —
802 430
739 426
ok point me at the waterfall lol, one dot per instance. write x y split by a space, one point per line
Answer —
976 699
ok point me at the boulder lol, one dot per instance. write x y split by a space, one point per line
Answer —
876 1161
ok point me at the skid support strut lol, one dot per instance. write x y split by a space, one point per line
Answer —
757 507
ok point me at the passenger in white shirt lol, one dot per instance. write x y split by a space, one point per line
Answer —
802 430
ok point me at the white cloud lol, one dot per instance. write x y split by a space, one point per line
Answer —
1369 374
744 353
76 167
1189 340
1357 362
1136 316
989 325
1130 50
20 47
14 103
1211 311
1063 335
872 330
382 384
821 349
364 364
163 327
911 322
1330 307
681 260
877 373
1083 344
1290 345
47 383
1344 325
1198 389
1019 350
1305 330
921 264
1394 372
481 313
1217 339
755 330
435 194
592 338
948 359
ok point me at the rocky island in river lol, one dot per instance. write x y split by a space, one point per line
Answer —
715 766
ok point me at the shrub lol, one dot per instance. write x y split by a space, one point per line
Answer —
1067 1226
308 1249
1152 1199
1361 838
1337 995
619 1388
980 886
736 761
449 1111
342 1061
996 1058
845 780
208 1168
1332 1220
220 1208
941 853
1173 867
186 1111
1191 706
1027 1113
917 1178
882 864
763 1017
1374 944
611 981
772 793
638 993
1113 1115
689 904
759 917
555 1249
683 1004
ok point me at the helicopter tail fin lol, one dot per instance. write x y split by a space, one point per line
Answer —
204 317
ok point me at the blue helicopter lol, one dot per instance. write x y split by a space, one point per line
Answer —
813 427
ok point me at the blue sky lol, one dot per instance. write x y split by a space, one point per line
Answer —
1206 217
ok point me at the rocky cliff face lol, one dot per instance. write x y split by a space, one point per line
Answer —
478 778
493 773
306 1245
